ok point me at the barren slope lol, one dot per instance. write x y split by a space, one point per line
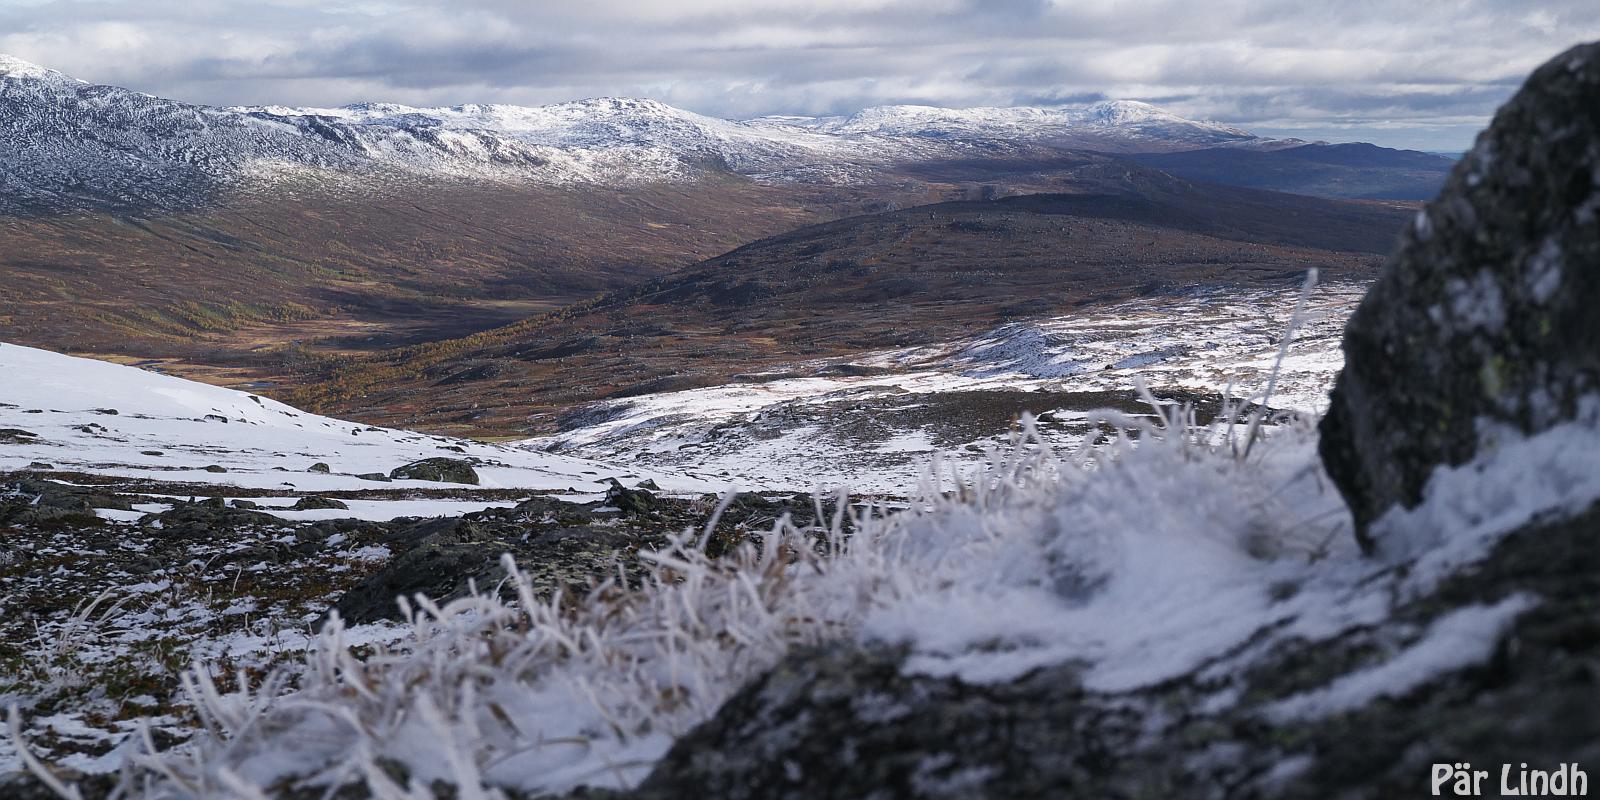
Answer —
898 278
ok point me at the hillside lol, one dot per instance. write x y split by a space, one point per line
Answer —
890 279
228 244
397 266
1326 170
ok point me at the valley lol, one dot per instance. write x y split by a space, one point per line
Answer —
912 277
286 250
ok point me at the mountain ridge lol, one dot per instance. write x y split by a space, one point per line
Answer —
75 144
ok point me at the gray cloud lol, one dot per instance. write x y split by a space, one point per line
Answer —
1424 74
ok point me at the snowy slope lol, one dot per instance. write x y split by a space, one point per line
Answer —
875 432
67 143
94 417
1125 124
607 123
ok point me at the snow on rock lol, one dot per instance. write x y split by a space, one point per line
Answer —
1514 480
1462 638
1487 308
13 68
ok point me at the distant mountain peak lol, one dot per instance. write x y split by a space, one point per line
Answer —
13 67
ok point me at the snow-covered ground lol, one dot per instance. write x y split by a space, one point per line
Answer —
1173 559
87 416
1176 557
873 432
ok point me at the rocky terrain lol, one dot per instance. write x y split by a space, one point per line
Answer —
1207 600
871 421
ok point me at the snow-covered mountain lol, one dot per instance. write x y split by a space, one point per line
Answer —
69 143
1118 124
601 124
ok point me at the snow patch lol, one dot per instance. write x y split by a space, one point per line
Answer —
1462 638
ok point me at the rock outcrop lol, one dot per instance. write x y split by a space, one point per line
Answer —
439 470
558 546
848 721
315 503
48 503
1485 317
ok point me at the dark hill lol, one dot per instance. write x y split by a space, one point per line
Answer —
898 278
1356 171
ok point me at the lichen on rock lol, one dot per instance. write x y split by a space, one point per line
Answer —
1485 315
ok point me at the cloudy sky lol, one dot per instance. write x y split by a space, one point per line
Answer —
1408 73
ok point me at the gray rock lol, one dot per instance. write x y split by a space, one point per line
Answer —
442 558
846 721
439 470
18 436
202 521
629 501
314 503
319 467
374 476
1486 314
46 503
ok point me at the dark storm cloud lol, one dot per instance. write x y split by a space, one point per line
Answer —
1411 74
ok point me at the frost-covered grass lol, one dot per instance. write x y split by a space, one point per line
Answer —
1143 561
1179 551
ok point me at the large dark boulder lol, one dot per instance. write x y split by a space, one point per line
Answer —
554 544
849 721
629 501
314 503
439 470
1487 313
47 503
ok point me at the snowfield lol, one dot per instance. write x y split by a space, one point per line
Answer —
873 433
82 415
